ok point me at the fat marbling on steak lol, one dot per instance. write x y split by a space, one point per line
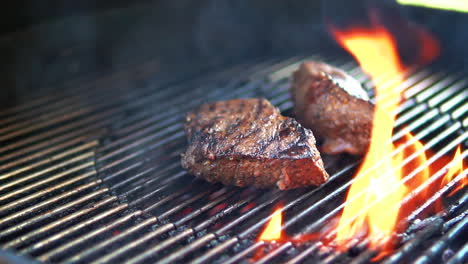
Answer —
247 142
334 106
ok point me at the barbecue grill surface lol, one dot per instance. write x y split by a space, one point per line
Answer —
91 174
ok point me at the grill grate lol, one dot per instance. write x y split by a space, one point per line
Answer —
92 175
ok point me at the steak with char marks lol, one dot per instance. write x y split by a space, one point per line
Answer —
247 142
334 106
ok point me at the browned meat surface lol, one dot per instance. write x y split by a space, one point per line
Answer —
334 105
248 142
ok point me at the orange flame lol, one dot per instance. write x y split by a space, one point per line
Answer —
412 146
372 200
376 52
273 231
455 169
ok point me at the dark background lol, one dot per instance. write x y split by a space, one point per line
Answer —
45 43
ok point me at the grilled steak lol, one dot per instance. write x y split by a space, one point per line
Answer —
334 105
248 142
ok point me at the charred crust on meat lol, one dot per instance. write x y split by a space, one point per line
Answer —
334 106
248 142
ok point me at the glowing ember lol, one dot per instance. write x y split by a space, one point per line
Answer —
455 169
273 228
372 200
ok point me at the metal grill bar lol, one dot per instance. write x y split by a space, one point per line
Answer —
37 207
62 250
89 82
34 234
50 214
32 250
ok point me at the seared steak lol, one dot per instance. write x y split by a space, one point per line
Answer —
334 105
248 142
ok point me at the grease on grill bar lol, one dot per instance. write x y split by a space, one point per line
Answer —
90 176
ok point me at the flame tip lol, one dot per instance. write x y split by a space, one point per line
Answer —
273 229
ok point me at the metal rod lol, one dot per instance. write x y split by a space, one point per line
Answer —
50 227
37 207
62 250
49 241
132 231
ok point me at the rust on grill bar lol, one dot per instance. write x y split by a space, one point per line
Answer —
92 175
